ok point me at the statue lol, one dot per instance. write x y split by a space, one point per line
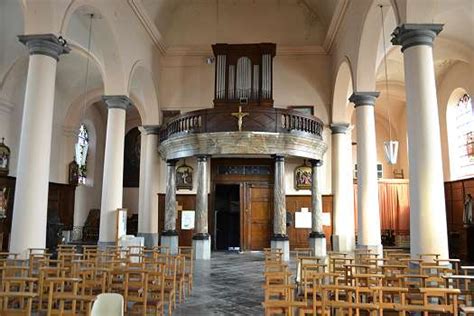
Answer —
240 115
467 216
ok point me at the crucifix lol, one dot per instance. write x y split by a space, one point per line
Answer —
239 115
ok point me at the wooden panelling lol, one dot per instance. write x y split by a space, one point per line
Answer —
299 236
186 202
460 239
60 200
259 222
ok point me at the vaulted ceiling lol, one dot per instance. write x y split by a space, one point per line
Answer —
200 23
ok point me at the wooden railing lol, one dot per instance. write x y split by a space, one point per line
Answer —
259 119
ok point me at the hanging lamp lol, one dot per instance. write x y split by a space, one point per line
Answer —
82 145
390 146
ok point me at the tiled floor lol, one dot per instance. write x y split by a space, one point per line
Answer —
228 284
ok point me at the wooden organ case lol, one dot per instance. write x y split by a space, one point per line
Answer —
244 74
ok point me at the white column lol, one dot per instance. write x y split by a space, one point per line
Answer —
317 239
31 191
148 203
367 197
280 238
112 184
201 238
343 238
428 229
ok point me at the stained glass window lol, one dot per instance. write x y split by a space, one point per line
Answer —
81 150
465 136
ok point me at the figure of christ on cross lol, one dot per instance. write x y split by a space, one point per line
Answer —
239 115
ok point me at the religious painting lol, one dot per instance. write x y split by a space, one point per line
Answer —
303 177
184 177
4 158
305 109
131 164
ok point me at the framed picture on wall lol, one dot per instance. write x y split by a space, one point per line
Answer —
303 177
184 177
305 109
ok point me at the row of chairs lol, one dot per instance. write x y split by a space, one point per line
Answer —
148 279
364 282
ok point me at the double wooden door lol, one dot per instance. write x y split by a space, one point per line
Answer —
257 215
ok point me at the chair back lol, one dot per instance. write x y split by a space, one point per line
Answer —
108 304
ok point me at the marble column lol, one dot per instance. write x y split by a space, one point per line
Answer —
112 182
317 239
31 189
201 238
280 238
148 199
367 183
169 237
343 238
428 229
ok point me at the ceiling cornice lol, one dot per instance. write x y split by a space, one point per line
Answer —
335 24
148 25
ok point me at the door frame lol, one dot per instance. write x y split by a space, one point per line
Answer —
244 181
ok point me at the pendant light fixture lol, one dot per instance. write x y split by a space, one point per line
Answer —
82 145
390 146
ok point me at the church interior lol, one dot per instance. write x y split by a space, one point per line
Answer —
236 157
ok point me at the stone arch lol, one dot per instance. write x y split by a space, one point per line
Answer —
343 88
142 90
370 52
74 26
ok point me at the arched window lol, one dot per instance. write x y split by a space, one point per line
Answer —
465 136
81 150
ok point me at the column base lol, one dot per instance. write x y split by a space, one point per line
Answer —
102 245
341 243
151 239
202 247
170 240
317 243
282 242
373 248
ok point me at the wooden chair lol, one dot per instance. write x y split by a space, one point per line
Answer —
279 299
156 292
438 300
16 295
188 253
389 298
136 289
345 299
170 283
64 295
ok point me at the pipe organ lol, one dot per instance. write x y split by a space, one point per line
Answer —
244 74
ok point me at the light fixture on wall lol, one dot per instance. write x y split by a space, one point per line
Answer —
390 146
82 145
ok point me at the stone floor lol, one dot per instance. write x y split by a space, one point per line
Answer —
228 284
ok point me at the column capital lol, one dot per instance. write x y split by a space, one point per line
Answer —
364 98
316 162
339 128
117 102
411 34
171 162
202 157
45 44
149 129
278 157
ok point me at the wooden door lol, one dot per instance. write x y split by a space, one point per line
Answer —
258 215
